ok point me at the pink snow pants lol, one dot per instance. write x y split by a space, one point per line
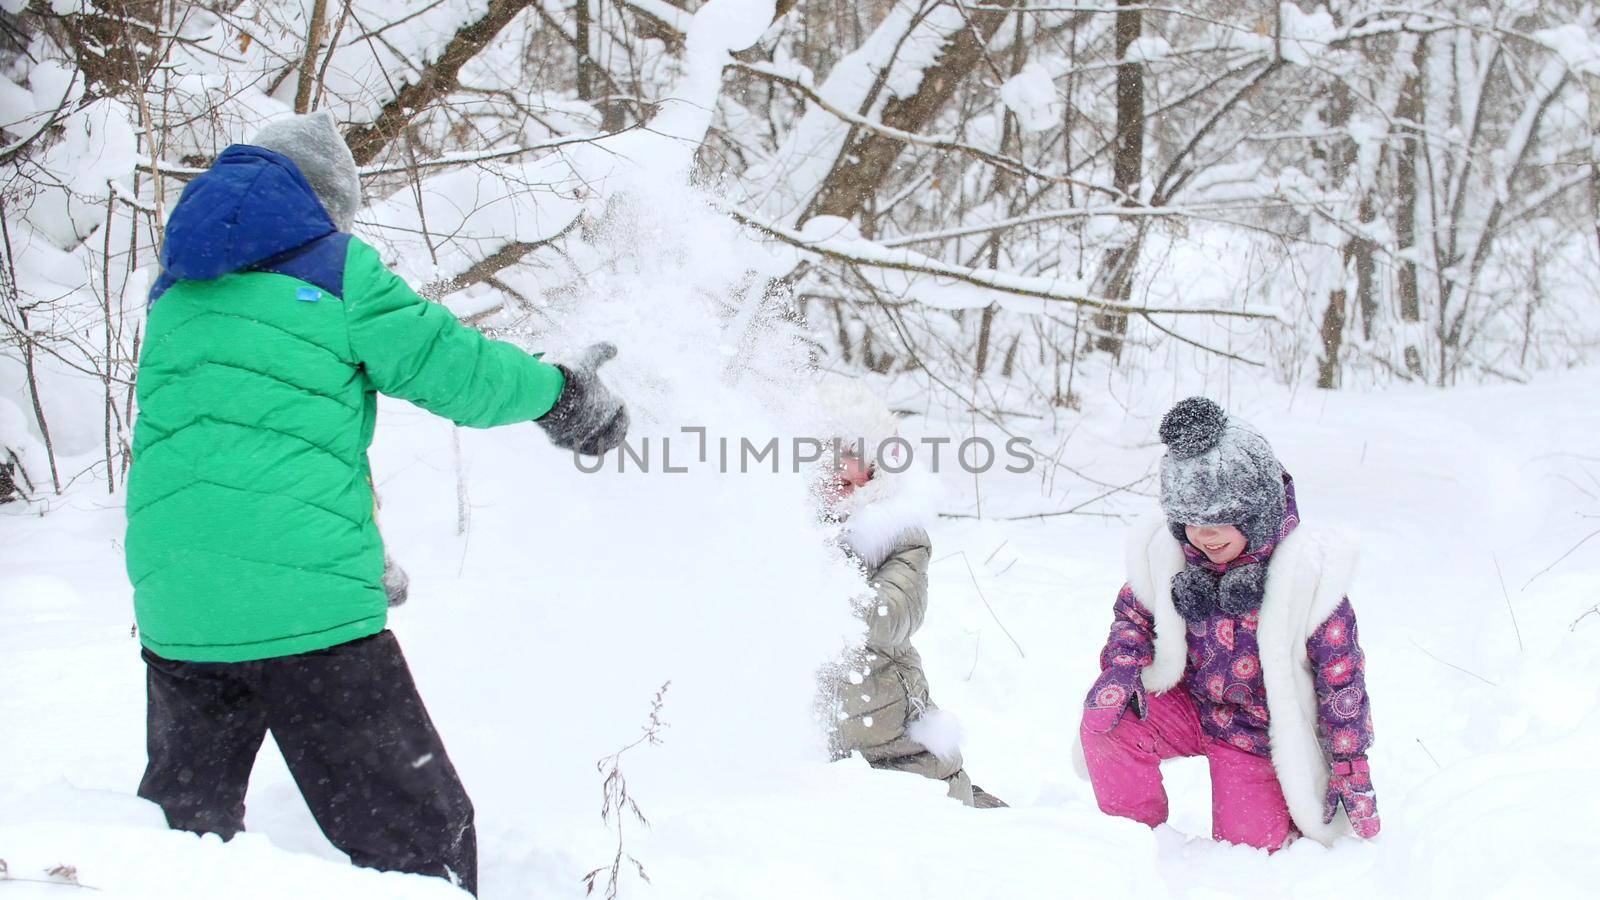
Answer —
1247 805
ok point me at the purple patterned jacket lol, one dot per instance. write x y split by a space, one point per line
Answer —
1224 668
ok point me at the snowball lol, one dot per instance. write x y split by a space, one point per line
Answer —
940 732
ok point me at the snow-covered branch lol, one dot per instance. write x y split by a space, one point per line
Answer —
801 83
1020 292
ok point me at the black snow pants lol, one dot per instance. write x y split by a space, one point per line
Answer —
354 733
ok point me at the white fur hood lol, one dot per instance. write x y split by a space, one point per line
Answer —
891 507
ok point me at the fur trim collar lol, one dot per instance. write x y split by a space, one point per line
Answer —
1154 557
1309 576
880 515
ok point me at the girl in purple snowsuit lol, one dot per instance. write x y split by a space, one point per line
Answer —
1267 681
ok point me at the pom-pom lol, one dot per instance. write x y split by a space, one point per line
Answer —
1241 590
1194 593
1192 427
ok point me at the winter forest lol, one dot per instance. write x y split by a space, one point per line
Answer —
1003 236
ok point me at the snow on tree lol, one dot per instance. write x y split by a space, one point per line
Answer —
1003 195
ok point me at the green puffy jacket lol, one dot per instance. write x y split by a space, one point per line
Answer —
270 334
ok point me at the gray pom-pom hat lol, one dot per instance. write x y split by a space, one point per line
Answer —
1220 471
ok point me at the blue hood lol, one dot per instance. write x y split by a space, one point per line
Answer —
252 205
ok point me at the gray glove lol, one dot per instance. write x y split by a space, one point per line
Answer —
587 417
396 583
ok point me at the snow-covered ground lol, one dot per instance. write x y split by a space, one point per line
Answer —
540 635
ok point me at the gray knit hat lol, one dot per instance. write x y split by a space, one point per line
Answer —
313 143
1219 471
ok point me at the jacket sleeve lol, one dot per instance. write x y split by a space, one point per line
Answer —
1132 638
1344 715
1129 648
900 586
419 351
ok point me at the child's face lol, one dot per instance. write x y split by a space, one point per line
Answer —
1220 543
853 472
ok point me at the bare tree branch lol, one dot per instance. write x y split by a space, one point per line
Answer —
435 81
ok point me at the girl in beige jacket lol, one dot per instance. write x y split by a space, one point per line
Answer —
884 711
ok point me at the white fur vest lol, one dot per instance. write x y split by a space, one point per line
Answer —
1308 576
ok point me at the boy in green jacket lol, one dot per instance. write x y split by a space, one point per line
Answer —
255 560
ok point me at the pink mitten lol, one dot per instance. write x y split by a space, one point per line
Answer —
1351 784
